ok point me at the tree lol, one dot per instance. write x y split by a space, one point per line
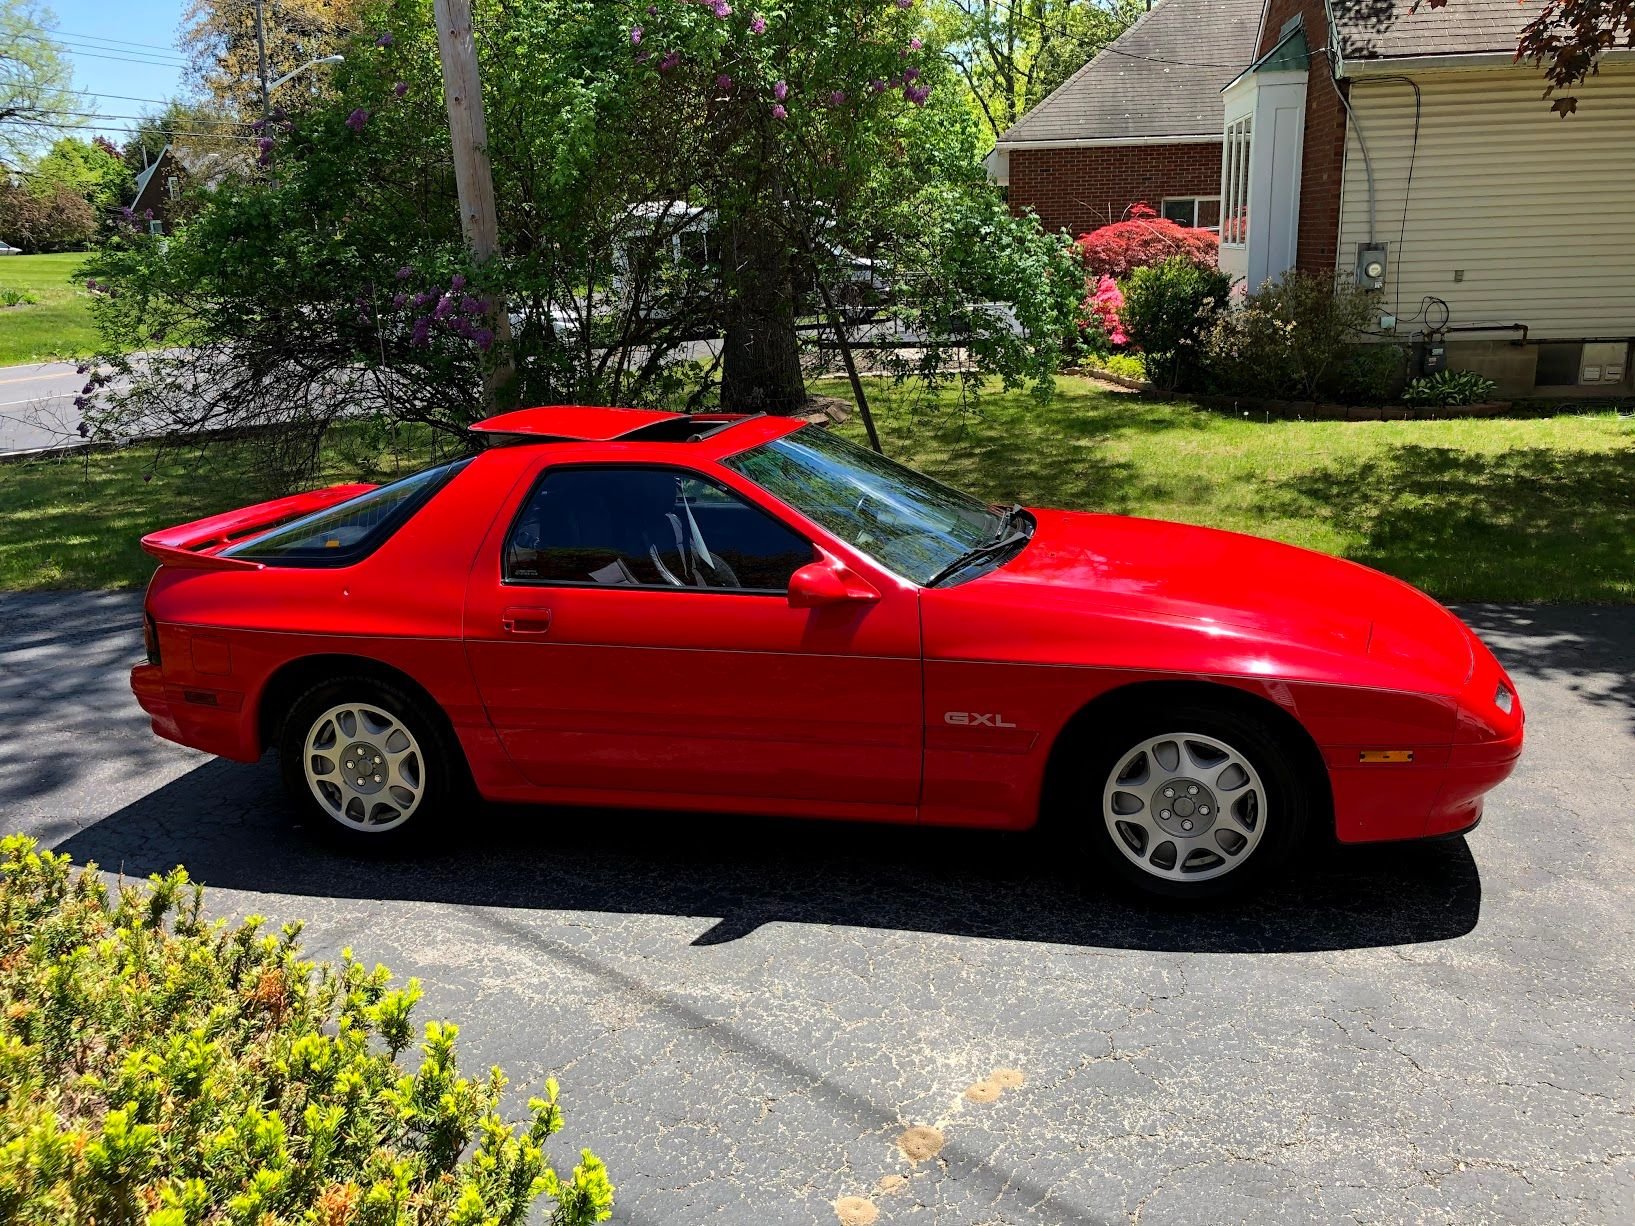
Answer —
93 170
1012 54
53 219
36 81
649 169
220 38
1568 38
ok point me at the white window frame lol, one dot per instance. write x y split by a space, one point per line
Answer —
1195 201
1235 182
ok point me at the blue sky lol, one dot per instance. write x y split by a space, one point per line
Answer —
121 51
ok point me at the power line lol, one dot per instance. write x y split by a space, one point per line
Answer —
100 38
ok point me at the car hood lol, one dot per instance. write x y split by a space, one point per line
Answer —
1226 580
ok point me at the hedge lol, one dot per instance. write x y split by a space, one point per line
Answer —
159 1068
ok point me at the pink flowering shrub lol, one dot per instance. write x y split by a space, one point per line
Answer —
1142 240
1101 311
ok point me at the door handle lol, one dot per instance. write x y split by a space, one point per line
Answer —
526 621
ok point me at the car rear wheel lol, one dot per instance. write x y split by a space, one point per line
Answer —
1191 801
365 763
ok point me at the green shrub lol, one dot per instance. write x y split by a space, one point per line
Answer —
157 1068
1124 365
16 297
1449 387
1296 339
1168 309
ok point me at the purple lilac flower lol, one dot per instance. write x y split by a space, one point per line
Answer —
757 25
385 40
81 402
914 44
88 388
723 81
917 94
779 111
357 119
780 91
457 281
878 86
421 299
82 368
910 75
470 305
670 60
401 88
635 36
721 8
421 333
399 299
905 4
404 273
147 214
91 284
445 304
264 144
484 338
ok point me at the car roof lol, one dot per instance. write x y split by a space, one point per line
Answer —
571 422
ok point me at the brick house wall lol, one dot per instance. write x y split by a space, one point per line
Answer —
1323 156
1078 190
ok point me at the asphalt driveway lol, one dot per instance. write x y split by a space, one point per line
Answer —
747 1016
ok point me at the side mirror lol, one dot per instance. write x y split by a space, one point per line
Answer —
819 585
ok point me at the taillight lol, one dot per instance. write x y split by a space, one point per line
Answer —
150 637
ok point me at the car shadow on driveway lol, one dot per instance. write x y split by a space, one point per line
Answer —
229 825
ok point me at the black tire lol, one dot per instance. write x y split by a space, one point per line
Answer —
1286 813
441 773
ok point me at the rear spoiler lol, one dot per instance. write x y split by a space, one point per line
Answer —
194 545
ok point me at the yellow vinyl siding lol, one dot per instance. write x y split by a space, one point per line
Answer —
1539 211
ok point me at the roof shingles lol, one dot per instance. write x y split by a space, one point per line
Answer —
1161 78
1387 29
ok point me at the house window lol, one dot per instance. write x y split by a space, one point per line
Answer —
1234 204
1202 212
173 187
156 226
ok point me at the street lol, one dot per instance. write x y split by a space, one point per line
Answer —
747 1017
37 406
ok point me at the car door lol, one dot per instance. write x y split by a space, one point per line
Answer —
620 649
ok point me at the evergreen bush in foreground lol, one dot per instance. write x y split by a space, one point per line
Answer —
162 1069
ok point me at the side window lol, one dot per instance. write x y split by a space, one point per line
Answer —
648 527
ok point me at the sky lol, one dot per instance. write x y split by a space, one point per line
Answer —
125 58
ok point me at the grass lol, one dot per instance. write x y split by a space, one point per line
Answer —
57 324
1539 509
1536 509
74 521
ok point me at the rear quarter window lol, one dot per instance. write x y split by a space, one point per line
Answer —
341 535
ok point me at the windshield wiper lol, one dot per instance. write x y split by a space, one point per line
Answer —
991 549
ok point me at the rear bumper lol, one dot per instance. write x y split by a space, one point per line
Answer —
196 716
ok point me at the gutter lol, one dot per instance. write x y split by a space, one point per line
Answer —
1374 66
1100 142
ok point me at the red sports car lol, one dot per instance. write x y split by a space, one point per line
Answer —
747 614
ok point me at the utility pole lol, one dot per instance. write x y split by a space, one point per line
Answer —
261 56
473 177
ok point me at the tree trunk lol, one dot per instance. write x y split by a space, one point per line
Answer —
760 366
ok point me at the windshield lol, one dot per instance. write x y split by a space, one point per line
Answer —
342 534
904 520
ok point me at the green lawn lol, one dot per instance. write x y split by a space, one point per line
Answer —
1538 509
1504 510
73 521
59 324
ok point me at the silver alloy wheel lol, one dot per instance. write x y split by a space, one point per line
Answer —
1185 807
364 767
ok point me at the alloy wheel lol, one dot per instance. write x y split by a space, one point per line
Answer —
364 767
1185 807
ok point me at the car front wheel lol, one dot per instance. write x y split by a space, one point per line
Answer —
1192 802
365 763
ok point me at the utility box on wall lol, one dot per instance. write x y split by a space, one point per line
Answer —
1603 362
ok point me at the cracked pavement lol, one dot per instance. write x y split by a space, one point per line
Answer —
746 1015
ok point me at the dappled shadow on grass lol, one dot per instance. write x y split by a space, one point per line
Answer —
1051 453
228 823
1553 524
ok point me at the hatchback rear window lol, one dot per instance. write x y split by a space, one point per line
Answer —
340 535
